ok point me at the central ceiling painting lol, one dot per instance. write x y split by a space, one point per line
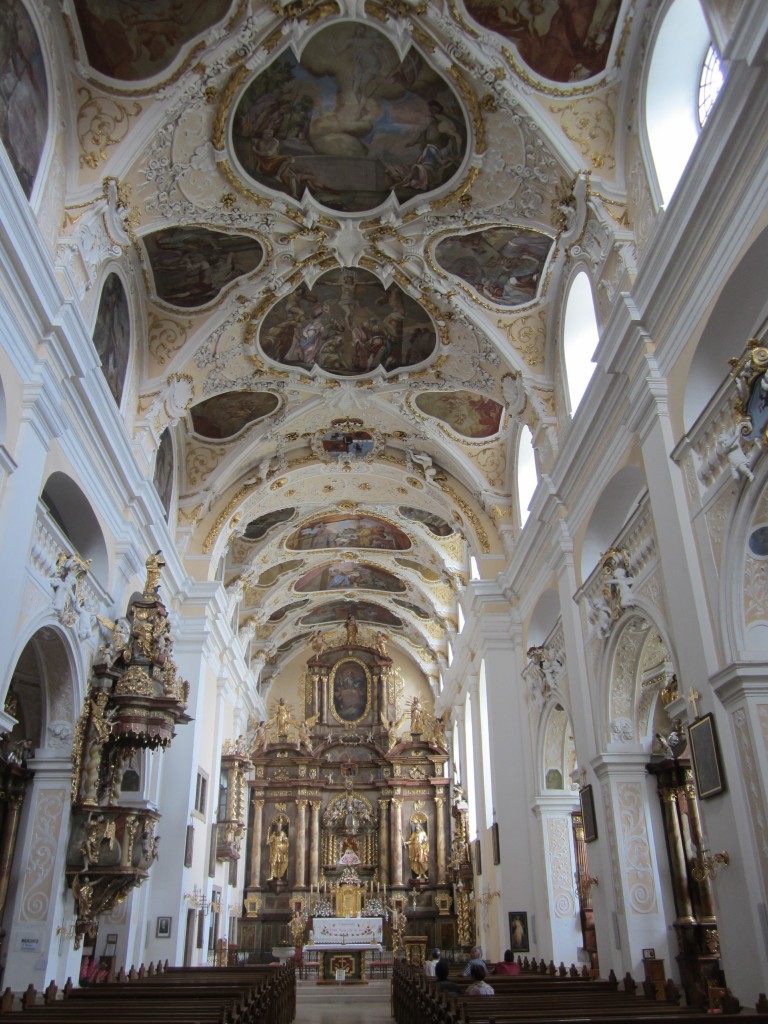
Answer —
351 122
348 324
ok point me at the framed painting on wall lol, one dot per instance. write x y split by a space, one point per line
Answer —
587 801
705 754
518 931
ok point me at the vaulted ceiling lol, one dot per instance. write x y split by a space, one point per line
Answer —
348 224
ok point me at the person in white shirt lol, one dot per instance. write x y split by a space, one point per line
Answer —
429 965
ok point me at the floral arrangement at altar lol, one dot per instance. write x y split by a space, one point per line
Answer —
374 908
322 907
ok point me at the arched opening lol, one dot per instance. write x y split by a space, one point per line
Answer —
580 338
671 93
612 510
545 615
72 512
527 476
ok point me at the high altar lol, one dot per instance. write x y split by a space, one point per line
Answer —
349 814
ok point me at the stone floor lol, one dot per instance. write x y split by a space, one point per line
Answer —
351 1004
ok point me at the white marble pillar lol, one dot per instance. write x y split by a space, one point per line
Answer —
256 843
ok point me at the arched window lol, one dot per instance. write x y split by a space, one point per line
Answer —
710 84
527 477
580 338
674 75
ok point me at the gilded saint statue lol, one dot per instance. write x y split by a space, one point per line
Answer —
418 851
277 841
351 625
417 717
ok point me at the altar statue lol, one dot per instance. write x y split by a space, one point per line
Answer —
281 717
277 841
418 851
417 717
351 626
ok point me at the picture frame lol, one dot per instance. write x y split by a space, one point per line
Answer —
518 932
587 801
649 954
495 843
163 928
705 757
477 857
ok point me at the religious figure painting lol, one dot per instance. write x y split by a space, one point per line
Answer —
423 570
348 531
137 39
112 334
191 265
23 93
503 265
349 575
361 611
351 690
563 40
163 475
465 412
225 415
347 324
351 122
421 613
433 523
258 528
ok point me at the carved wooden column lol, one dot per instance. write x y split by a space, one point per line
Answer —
441 854
676 850
300 872
314 852
397 841
384 842
8 843
254 881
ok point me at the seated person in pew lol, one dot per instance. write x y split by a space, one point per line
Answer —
479 986
475 959
429 965
441 974
507 965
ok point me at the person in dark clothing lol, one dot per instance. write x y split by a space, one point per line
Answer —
442 983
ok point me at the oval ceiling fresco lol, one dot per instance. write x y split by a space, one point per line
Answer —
23 94
257 528
465 412
140 39
348 531
282 612
501 264
363 611
433 523
225 415
112 334
565 42
190 266
343 575
348 324
409 606
350 122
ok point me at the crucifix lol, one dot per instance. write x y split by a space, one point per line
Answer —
692 698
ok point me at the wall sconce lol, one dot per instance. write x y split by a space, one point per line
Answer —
707 864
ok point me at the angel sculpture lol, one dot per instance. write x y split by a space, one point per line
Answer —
304 733
672 746
439 725
392 728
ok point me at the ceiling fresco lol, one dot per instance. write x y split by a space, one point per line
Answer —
351 122
563 41
190 266
348 324
225 415
341 531
501 264
23 93
342 231
137 39
363 611
469 414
